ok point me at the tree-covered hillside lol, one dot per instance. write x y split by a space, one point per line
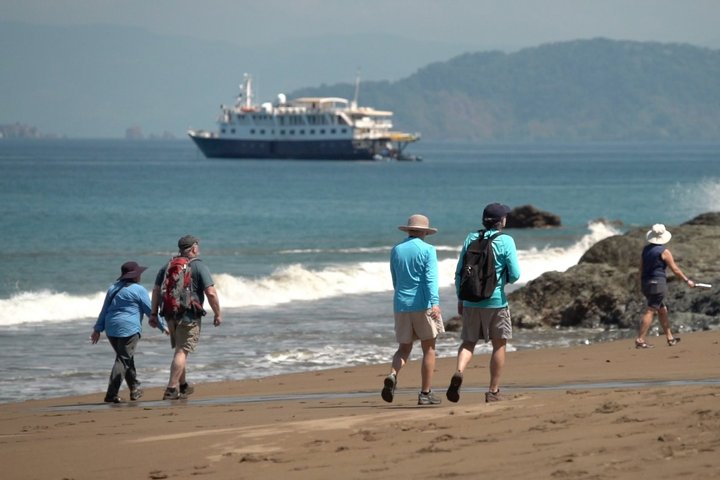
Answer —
585 90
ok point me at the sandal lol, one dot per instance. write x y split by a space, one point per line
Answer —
644 344
673 341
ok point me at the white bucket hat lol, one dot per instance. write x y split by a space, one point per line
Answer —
658 234
419 223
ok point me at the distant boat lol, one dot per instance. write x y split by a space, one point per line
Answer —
309 128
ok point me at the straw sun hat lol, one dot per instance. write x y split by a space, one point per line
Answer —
418 223
658 234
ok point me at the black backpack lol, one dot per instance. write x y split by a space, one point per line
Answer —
478 278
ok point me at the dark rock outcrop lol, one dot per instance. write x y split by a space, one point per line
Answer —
528 216
603 289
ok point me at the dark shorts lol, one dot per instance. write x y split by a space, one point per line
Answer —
655 290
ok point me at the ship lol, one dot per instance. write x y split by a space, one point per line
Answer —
306 128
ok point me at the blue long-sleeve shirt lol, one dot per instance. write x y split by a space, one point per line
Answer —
414 269
122 317
507 268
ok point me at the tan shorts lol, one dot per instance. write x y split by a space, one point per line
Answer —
486 323
184 335
419 325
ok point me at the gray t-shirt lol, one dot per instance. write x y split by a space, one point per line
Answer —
199 274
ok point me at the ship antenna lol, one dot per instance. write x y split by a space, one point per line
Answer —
247 87
357 89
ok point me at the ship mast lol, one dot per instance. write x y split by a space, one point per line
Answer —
245 97
354 103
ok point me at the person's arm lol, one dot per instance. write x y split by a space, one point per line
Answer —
513 265
144 298
154 306
670 261
100 323
432 283
214 302
458 274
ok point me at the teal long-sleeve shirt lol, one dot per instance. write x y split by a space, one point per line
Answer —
506 266
414 269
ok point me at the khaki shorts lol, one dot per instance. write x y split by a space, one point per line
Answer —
184 335
486 323
419 325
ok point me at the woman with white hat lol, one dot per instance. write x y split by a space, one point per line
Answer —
655 259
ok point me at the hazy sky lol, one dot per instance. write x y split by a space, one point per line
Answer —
507 24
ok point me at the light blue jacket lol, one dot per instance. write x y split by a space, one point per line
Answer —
122 317
506 267
414 269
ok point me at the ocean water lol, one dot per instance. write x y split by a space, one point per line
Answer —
299 249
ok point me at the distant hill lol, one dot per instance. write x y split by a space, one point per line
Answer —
585 90
100 80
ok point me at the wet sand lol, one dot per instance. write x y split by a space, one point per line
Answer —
606 411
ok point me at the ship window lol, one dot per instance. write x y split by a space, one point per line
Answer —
322 131
232 131
262 132
332 131
302 132
282 132
222 130
292 132
344 130
312 131
252 131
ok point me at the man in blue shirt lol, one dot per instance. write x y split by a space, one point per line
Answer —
416 303
488 319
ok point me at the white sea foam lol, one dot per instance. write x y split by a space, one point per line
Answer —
705 197
294 282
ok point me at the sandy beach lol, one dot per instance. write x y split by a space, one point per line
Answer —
604 411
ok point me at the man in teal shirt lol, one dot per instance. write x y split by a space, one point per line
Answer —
488 319
416 303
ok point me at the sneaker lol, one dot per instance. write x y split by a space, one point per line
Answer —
114 399
173 394
453 391
673 341
388 391
136 393
428 399
492 396
187 389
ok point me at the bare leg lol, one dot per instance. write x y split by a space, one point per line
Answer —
177 368
428 363
401 357
497 362
664 318
645 324
465 353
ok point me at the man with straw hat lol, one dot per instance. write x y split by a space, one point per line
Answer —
416 303
653 281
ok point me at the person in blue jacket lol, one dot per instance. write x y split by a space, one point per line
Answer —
416 305
487 319
121 316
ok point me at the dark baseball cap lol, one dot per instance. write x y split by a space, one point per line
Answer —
187 241
495 211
